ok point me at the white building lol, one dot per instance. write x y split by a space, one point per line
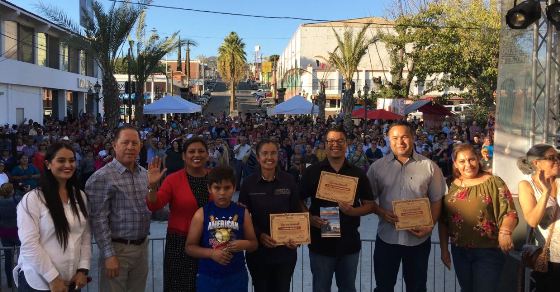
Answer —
314 40
39 74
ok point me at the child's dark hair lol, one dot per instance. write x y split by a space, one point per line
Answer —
221 173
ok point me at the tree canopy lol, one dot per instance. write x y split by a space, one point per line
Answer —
345 57
231 63
447 43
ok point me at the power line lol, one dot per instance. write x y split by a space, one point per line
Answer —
297 18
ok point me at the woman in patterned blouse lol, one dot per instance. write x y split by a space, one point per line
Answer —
478 217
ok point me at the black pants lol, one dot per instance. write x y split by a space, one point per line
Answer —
271 277
387 259
546 282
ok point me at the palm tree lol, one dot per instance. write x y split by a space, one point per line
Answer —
346 57
102 37
149 52
231 63
188 43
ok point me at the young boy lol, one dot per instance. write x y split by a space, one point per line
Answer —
218 235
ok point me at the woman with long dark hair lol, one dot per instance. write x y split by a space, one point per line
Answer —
53 228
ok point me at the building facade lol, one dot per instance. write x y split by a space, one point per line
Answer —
39 74
302 66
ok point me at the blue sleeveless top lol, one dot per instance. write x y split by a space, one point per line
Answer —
222 225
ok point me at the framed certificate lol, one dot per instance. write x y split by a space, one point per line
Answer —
413 213
290 226
337 188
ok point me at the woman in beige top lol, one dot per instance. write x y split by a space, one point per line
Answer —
538 197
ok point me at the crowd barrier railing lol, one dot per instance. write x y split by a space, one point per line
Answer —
439 277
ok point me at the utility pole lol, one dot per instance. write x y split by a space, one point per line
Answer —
188 64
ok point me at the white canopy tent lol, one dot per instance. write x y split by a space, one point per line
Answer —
171 104
297 105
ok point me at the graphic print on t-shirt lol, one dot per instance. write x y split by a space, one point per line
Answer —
222 230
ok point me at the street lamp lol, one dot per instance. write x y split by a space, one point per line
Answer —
97 90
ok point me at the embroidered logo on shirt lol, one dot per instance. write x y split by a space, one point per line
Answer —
282 191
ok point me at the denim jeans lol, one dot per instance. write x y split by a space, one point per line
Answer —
238 282
387 260
478 269
23 286
344 268
9 257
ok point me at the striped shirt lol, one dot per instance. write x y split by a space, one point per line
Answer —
118 205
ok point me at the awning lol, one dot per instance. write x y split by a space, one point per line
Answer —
415 106
428 107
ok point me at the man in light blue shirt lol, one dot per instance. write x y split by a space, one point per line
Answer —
403 175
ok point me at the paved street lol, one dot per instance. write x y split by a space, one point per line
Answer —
220 100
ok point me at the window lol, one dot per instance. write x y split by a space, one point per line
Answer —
83 62
42 49
53 52
10 40
64 57
47 102
73 60
26 42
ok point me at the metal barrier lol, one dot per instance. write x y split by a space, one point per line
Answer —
439 278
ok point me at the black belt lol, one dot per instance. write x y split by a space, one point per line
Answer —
129 241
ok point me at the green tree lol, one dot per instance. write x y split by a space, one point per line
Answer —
231 63
346 57
102 37
448 43
146 60
121 66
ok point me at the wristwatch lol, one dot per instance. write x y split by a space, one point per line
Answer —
85 271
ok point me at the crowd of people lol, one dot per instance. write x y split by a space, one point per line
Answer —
105 183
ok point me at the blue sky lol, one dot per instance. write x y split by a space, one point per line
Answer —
209 30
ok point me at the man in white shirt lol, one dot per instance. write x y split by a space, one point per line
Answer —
241 152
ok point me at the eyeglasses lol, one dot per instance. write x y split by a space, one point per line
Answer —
551 158
338 142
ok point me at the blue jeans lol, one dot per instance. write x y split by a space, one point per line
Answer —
478 269
9 257
344 268
387 260
238 282
23 286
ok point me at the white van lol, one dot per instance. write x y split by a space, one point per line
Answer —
459 110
